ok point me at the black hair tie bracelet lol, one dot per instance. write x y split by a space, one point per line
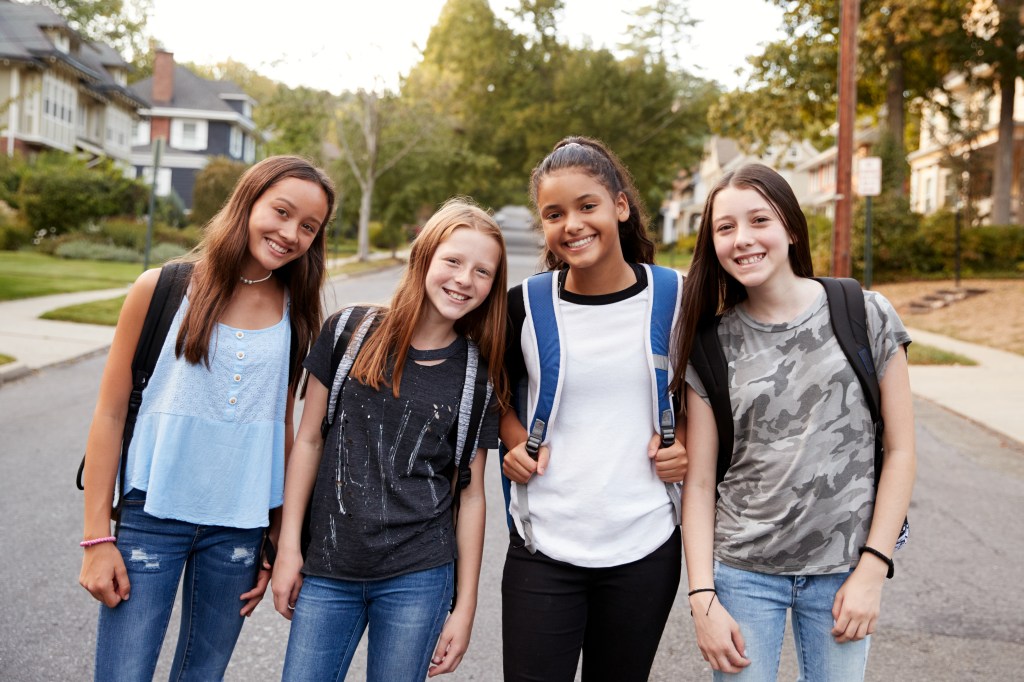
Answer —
887 560
703 589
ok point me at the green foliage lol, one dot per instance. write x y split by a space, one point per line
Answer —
163 252
59 193
119 23
213 186
819 228
923 354
81 249
94 312
390 236
896 247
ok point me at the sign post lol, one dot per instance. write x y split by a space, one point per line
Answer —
869 184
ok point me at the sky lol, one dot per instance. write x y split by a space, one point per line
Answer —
348 44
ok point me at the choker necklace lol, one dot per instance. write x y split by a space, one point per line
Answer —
246 280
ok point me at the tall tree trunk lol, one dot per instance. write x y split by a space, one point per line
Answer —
363 251
895 117
1002 181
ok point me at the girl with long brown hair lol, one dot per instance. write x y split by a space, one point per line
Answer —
205 465
383 543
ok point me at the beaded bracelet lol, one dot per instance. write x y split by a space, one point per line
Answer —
97 541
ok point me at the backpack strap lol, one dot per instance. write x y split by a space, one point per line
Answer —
665 300
476 396
708 360
167 297
849 323
349 333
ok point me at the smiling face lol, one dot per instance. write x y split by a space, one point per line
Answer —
283 223
460 275
750 239
580 219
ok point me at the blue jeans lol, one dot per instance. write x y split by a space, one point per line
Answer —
219 564
405 616
759 602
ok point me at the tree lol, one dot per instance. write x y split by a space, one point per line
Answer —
213 186
376 132
118 23
658 30
906 49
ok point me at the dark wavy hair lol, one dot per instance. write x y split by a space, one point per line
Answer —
221 253
709 289
596 160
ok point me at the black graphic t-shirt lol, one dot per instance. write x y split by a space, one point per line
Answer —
383 494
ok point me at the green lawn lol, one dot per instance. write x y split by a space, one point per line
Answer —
94 312
923 354
4 359
25 274
106 312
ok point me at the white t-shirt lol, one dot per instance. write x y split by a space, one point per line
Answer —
600 502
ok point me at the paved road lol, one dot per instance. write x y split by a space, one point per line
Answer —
954 612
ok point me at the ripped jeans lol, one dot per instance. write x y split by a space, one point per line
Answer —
219 563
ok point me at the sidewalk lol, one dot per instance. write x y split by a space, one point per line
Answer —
990 393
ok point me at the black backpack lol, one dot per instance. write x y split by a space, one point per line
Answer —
167 297
849 323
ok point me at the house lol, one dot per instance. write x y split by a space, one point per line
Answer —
60 91
197 118
820 172
682 211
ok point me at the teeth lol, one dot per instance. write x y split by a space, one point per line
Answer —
275 247
749 260
457 297
580 242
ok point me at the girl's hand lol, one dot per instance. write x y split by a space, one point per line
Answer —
519 467
859 601
104 574
718 635
287 581
254 596
669 463
452 644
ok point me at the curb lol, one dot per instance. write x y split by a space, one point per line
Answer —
13 371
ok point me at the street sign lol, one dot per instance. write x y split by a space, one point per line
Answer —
869 176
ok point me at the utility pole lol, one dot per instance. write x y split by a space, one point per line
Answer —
847 122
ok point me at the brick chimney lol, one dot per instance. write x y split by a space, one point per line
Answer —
163 77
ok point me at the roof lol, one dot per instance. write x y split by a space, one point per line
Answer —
23 38
193 92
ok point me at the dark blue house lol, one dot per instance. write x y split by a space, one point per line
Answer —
198 119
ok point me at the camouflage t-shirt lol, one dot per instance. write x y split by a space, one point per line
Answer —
800 492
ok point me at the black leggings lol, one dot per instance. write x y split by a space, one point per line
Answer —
551 611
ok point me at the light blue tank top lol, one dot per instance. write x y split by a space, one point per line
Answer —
208 446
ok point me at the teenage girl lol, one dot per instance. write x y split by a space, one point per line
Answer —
206 462
607 561
383 547
798 525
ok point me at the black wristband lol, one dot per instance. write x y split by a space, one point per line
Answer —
701 589
887 560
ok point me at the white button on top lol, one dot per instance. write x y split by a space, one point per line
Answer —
238 377
240 354
239 334
233 400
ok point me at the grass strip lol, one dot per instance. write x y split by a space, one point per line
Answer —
923 354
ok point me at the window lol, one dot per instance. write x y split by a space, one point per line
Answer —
235 148
189 134
163 180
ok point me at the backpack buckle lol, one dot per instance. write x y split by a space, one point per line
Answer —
535 439
668 428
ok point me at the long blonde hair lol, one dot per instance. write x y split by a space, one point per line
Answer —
485 324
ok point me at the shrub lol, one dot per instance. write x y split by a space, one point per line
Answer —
163 252
388 236
213 187
81 249
59 193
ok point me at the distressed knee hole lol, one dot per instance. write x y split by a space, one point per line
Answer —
144 558
245 555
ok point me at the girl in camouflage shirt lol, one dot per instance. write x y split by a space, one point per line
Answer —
796 525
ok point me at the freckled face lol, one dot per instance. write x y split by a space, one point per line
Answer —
751 241
283 223
461 274
581 219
